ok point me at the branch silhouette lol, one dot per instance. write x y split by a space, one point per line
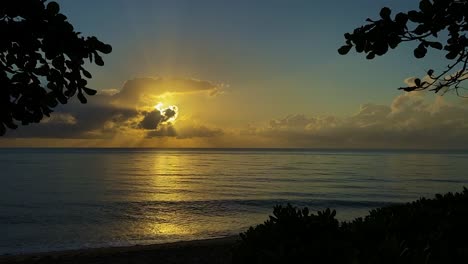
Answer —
425 27
41 61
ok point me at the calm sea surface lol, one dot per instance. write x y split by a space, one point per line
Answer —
53 199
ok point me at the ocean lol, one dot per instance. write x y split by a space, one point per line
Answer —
57 199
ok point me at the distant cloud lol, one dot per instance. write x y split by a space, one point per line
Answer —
185 130
200 131
61 118
409 122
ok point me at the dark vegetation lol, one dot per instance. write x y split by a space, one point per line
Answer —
41 61
428 27
424 231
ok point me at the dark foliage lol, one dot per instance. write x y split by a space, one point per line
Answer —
424 231
289 235
41 61
423 26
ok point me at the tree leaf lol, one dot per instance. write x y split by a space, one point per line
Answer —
420 52
414 16
385 13
62 99
82 98
452 55
81 83
436 45
417 82
50 100
370 56
53 8
86 73
421 29
2 129
359 47
425 6
89 91
105 48
393 41
344 49
401 19
380 48
98 60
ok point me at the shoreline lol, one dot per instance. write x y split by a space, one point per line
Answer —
215 250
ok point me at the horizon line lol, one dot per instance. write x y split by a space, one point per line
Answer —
243 148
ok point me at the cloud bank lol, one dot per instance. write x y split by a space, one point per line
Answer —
129 114
129 110
408 122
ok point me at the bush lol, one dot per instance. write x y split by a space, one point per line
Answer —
424 231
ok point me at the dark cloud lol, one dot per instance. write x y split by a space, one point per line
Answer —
170 112
96 119
153 119
112 111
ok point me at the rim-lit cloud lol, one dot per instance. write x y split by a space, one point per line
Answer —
129 110
144 90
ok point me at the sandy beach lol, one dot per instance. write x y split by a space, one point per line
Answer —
197 251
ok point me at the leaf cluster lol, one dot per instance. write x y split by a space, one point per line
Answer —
424 27
41 61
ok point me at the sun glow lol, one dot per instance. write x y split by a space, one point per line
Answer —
159 106
170 113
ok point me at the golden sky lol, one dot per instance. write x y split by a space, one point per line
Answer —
178 112
245 74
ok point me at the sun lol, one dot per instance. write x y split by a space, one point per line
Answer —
169 114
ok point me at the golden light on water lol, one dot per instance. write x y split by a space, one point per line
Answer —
167 175
169 228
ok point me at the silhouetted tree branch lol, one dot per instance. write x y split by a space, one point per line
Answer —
41 61
423 26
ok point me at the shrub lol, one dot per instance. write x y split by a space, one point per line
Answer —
424 231
289 235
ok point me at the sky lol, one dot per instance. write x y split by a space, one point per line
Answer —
210 73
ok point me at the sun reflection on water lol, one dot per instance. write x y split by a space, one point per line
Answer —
168 229
172 176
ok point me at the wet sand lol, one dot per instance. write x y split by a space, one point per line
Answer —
216 250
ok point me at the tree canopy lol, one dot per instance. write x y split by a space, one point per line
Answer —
438 24
41 61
